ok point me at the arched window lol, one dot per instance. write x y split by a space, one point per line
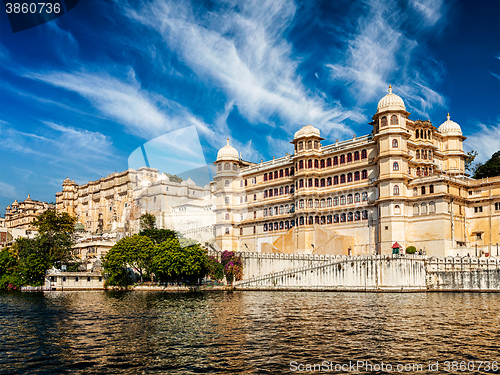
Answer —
310 203
281 210
396 190
349 216
418 154
291 171
227 167
394 120
336 180
301 146
287 172
309 145
219 167
275 174
316 182
421 133
311 220
423 209
342 159
287 189
397 209
363 154
424 154
301 164
349 199
383 121
323 203
430 154
349 177
322 184
227 231
322 164
342 178
287 224
356 176
335 160
287 209
364 174
329 162
301 203
418 171
329 181
270 192
265 227
357 215
432 207
356 155
342 217
235 167
281 190
357 198
364 196
329 219
329 202
342 199
301 183
265 193
281 172
336 201
310 182
416 209
336 218
316 145
415 192
265 212
309 163
316 203
431 189
270 175
395 166
270 226
226 183
394 143
301 220
226 200
265 176
416 133
349 157
428 134
282 225
316 164
227 217
291 189
423 190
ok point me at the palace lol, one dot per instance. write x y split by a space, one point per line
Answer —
21 214
403 184
114 204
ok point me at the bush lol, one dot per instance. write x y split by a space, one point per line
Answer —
411 250
233 266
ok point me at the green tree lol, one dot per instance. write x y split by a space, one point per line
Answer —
158 235
53 222
136 252
489 169
411 250
147 221
10 275
233 266
174 178
215 269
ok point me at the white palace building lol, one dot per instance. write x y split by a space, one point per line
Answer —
403 184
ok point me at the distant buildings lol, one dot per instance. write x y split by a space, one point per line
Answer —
114 204
22 214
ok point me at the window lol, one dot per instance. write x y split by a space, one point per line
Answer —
329 181
478 209
270 175
227 217
287 209
424 154
364 215
275 174
301 183
415 209
478 236
363 154
281 210
301 146
383 121
316 165
281 190
301 164
329 219
329 202
349 177
336 218
310 182
357 198
309 145
310 203
316 203
281 172
265 193
219 167
423 208
349 157
356 155
287 172
270 192
432 207
431 189
335 160
349 199
497 206
255 214
77 279
342 178
396 190
322 164
430 154
316 145
418 171
227 183
364 196
287 189
364 174
301 203
329 162
342 199
395 166
415 191
309 163
265 212
418 154
342 159
416 133
255 197
311 220
246 182
336 201
394 120
356 176
226 200
342 217
336 180
423 190
301 220
316 182
397 209
265 176
322 184
394 143
349 216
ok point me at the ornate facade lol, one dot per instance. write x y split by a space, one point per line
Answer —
115 203
404 182
21 214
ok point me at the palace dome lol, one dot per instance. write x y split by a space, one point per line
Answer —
449 126
307 131
228 152
391 102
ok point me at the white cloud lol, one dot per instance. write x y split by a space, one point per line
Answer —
486 141
7 190
246 53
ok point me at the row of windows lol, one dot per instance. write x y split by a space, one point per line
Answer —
308 145
422 208
279 191
423 190
424 154
278 174
336 160
343 178
278 210
423 134
227 167
394 120
343 199
424 171
278 225
326 219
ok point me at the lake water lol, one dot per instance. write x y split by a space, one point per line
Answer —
245 332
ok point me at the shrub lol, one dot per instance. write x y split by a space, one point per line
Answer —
411 250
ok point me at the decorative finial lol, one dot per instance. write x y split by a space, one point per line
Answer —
448 117
390 89
228 141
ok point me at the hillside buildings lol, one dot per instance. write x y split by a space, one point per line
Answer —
404 182
20 214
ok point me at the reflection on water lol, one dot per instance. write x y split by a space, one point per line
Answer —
240 332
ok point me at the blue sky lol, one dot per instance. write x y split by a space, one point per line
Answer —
79 94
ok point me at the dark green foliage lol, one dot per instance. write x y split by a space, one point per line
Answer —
51 222
10 275
489 169
147 221
469 161
215 269
411 250
158 235
174 178
135 252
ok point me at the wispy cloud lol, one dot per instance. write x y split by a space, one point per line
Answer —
7 190
381 52
486 141
246 53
